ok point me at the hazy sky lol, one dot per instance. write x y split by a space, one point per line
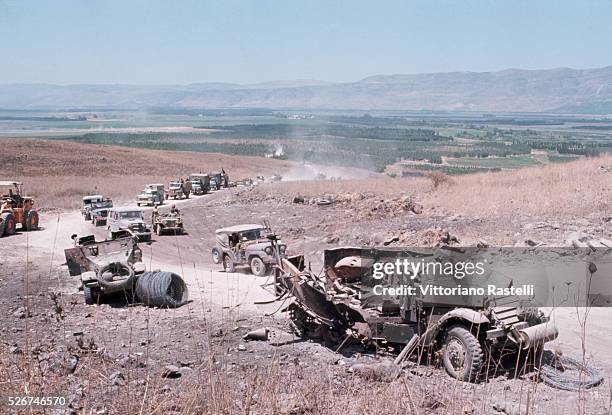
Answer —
179 42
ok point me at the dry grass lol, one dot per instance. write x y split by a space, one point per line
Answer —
58 173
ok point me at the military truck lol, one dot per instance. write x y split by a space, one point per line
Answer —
216 180
98 211
105 267
464 331
151 195
247 245
16 209
179 190
86 205
196 187
203 179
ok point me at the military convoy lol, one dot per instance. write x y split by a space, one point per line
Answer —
16 209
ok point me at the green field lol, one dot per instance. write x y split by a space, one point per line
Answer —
468 143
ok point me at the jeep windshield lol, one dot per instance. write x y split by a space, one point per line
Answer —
175 185
130 215
253 235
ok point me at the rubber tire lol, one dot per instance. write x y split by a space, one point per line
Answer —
1 227
10 225
228 264
91 295
258 268
216 256
87 217
31 220
474 357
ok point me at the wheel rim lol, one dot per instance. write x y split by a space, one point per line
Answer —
256 264
456 354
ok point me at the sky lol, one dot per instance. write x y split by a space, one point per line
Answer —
182 42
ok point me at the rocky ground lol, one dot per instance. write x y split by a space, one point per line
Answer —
119 357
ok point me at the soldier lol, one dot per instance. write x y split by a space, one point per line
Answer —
174 210
154 215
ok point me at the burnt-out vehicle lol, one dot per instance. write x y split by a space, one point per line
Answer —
98 211
250 245
464 332
105 267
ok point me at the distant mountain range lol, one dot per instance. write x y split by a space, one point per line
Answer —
516 90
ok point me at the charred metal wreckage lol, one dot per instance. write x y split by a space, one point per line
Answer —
340 304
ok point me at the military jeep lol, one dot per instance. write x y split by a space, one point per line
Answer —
105 267
171 223
127 219
247 245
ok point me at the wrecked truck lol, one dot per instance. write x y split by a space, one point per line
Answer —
112 266
462 332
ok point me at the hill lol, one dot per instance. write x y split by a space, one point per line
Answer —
559 90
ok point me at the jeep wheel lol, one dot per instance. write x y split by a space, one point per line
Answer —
91 295
258 268
216 256
31 220
10 225
87 217
462 354
228 264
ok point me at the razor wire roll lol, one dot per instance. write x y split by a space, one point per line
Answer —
565 379
161 289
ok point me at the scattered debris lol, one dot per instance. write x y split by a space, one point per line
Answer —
171 372
259 334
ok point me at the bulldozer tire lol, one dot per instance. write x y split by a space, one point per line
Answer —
91 295
462 354
10 225
258 268
228 264
31 220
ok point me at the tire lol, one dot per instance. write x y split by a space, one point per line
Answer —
158 230
258 268
216 256
1 227
228 264
31 220
91 295
10 225
87 217
462 354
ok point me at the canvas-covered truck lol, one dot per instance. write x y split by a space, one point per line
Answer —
463 331
216 180
151 195
203 180
16 209
178 189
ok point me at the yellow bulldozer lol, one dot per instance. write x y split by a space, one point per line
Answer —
16 209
